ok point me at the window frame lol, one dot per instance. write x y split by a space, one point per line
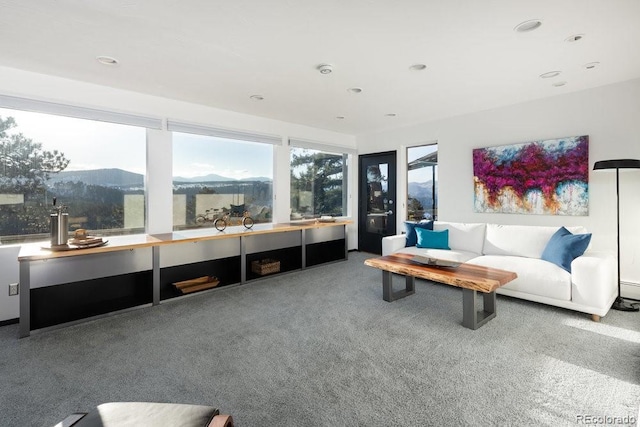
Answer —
434 214
145 122
348 155
176 126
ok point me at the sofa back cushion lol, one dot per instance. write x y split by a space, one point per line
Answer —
468 237
520 240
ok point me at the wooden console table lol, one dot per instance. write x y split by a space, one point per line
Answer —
34 252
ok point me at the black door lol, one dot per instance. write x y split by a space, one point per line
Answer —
377 200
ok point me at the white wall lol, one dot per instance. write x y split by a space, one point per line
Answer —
610 115
48 88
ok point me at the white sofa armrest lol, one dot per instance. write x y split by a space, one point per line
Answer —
390 244
594 280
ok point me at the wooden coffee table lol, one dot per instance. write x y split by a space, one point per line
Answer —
471 278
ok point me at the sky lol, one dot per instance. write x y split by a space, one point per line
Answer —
196 155
90 144
422 174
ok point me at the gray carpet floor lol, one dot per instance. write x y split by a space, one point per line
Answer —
321 348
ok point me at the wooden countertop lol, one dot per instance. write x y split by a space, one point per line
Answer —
38 250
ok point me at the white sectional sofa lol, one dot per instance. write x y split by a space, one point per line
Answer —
590 287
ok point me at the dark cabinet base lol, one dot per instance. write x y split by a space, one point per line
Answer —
321 253
53 305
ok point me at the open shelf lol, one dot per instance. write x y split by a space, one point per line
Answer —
227 270
290 260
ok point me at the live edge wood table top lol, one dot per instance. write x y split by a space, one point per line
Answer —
471 278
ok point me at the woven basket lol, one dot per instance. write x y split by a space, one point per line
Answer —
265 266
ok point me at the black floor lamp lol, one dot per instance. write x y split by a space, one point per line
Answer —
619 303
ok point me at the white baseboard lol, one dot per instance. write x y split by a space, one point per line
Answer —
630 290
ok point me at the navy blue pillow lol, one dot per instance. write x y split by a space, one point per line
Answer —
564 247
412 238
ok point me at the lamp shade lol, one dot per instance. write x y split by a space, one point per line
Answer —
617 164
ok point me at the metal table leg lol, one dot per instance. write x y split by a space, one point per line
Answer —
387 288
473 318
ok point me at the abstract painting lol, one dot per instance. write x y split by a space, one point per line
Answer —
547 177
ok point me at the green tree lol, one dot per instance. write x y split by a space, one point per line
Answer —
413 207
25 168
321 174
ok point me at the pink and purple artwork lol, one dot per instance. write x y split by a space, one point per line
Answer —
548 177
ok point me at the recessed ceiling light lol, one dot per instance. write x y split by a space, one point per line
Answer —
549 74
591 65
390 115
558 84
527 26
325 68
340 117
256 97
417 67
574 38
354 90
107 60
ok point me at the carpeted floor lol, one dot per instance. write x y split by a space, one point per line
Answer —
321 348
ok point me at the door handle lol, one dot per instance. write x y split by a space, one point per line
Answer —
389 212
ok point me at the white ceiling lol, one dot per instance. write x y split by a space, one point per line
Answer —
219 53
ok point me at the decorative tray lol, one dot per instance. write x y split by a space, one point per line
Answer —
76 245
435 262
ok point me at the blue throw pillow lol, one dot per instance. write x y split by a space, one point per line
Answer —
564 247
432 239
412 238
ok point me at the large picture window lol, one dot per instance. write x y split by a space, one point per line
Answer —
422 182
94 168
318 183
215 176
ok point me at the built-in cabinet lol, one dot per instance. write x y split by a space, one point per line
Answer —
57 288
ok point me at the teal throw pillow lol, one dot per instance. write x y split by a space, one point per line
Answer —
412 238
564 247
432 239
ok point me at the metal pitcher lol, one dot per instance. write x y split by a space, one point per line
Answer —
59 220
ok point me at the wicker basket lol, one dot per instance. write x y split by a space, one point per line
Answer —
265 266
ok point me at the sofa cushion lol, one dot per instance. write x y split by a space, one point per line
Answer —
564 247
432 239
449 255
535 276
467 237
412 237
520 240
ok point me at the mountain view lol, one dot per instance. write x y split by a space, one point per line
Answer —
119 178
422 191
103 177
